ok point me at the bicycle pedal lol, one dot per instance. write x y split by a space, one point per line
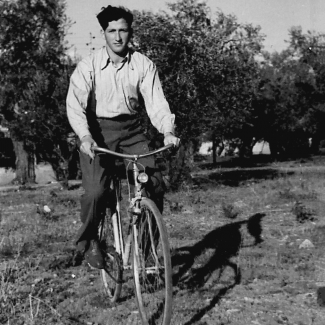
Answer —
93 268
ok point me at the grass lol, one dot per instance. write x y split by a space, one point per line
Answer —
235 238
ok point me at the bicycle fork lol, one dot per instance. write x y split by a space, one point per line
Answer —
124 248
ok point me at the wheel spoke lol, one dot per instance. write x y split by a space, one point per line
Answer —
111 275
152 266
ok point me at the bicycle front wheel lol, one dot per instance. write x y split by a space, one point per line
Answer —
151 263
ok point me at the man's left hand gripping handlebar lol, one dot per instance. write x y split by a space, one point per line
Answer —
87 143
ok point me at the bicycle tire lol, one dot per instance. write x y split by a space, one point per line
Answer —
112 274
151 264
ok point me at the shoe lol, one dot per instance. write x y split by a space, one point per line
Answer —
94 256
82 247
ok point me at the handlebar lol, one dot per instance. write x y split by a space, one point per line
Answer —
126 156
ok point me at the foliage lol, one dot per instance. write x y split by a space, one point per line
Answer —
210 66
290 99
310 48
276 106
302 213
219 86
206 64
34 74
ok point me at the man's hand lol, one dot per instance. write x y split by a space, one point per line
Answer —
170 138
86 144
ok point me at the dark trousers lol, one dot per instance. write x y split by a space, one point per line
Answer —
123 134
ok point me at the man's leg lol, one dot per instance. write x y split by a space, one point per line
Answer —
95 181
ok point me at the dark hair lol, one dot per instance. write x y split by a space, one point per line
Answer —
110 13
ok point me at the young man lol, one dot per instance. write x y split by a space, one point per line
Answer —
102 108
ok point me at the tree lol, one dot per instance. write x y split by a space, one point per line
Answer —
310 49
237 76
171 45
290 100
32 66
207 68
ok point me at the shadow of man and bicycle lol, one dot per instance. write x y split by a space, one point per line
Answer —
205 262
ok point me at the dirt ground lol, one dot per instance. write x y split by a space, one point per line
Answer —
247 248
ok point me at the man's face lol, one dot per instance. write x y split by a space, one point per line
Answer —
117 36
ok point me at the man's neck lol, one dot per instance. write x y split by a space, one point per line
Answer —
116 58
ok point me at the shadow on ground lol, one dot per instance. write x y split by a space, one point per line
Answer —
256 161
235 171
194 266
237 162
236 177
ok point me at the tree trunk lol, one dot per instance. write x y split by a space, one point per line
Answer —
314 145
25 167
61 171
31 168
214 150
59 161
246 147
181 165
274 149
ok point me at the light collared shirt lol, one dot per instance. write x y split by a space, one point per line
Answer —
117 91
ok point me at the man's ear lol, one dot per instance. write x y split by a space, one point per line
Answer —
102 33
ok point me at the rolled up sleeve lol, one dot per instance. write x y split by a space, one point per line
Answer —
77 99
156 104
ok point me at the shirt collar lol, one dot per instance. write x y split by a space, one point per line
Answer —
106 59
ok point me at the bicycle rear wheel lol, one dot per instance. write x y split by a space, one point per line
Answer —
152 269
111 275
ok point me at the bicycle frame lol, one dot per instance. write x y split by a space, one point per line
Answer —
123 248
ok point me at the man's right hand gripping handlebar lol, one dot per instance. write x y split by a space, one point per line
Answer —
169 138
87 143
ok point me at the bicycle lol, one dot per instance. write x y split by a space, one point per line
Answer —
145 251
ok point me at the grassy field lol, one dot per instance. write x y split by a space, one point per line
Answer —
247 244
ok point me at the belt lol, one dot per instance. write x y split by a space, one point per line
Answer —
120 118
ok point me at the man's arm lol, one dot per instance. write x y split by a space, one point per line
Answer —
156 104
77 99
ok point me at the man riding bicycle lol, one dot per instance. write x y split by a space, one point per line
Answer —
103 110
